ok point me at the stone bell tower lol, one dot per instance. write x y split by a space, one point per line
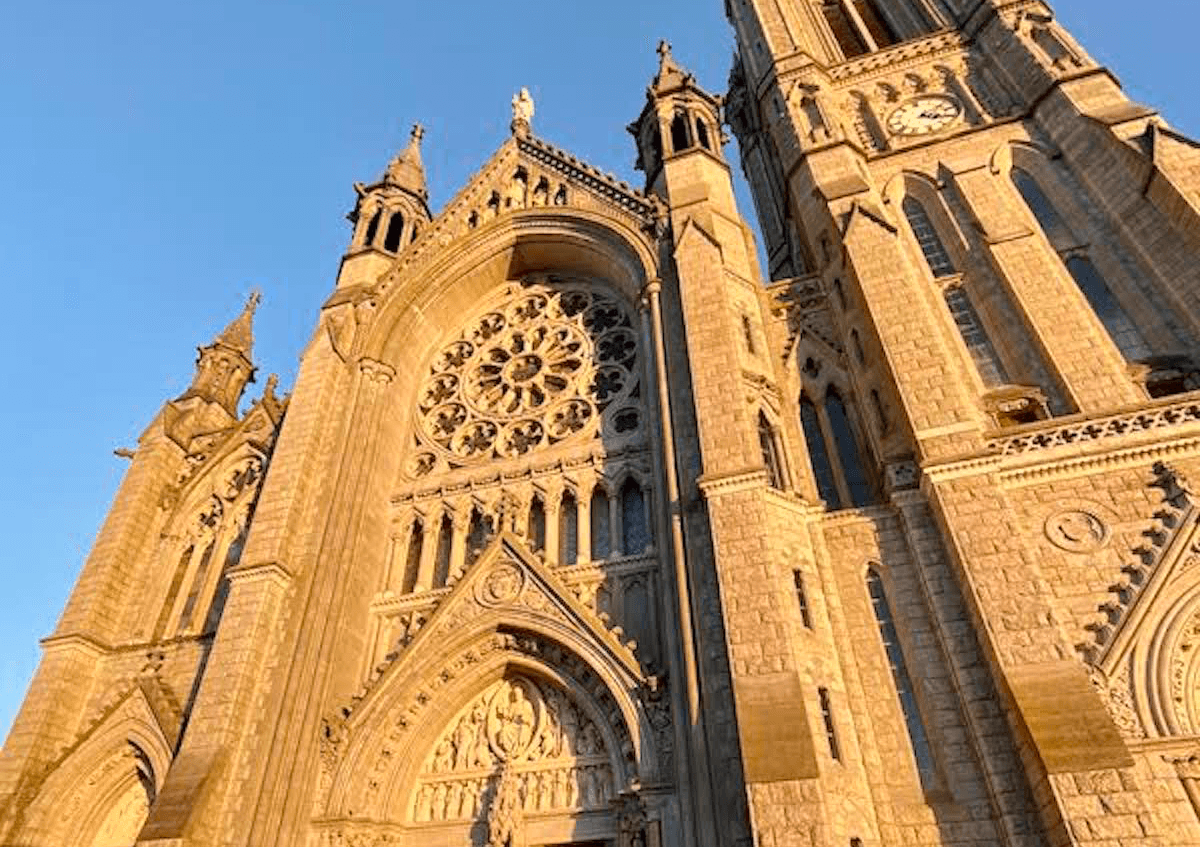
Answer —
984 277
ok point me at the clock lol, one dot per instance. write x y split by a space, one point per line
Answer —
924 115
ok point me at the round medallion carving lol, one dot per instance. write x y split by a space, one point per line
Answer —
541 368
502 585
1076 531
514 717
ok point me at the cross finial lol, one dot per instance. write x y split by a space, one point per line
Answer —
418 132
253 301
664 50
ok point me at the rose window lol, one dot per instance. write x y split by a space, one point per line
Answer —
547 366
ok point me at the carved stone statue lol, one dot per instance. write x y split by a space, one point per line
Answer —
523 110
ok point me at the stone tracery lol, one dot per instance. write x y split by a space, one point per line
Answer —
546 366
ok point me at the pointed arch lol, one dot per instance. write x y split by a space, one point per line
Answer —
507 621
110 776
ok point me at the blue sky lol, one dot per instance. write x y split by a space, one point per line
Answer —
160 160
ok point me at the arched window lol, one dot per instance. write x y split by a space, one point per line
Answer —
1095 289
372 228
537 525
904 689
441 570
679 134
818 454
936 257
702 134
975 337
412 560
395 233
768 443
634 530
600 526
847 447
568 531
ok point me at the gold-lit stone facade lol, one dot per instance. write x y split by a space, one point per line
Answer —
579 528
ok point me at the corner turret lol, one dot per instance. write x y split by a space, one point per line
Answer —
679 119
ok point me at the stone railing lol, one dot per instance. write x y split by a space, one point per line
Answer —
1050 434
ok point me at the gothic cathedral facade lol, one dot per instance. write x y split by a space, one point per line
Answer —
580 528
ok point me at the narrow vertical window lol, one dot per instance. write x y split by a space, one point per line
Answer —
412 561
770 452
233 555
904 689
568 532
372 228
600 525
635 533
189 606
975 337
537 525
1095 289
818 455
702 134
835 749
847 447
881 416
940 264
679 134
802 598
395 233
1124 333
441 571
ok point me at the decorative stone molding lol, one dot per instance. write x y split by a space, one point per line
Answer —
1057 434
1178 514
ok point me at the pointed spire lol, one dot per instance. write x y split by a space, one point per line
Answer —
407 171
670 75
239 335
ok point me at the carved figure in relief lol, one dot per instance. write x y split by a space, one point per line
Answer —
443 757
513 721
439 802
424 810
464 744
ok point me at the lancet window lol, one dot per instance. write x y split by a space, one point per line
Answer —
979 345
1087 277
395 233
838 469
917 736
772 456
934 250
211 543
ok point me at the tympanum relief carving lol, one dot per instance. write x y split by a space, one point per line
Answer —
528 732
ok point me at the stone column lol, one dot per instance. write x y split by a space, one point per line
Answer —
431 531
616 541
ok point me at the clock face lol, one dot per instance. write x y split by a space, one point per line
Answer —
924 115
